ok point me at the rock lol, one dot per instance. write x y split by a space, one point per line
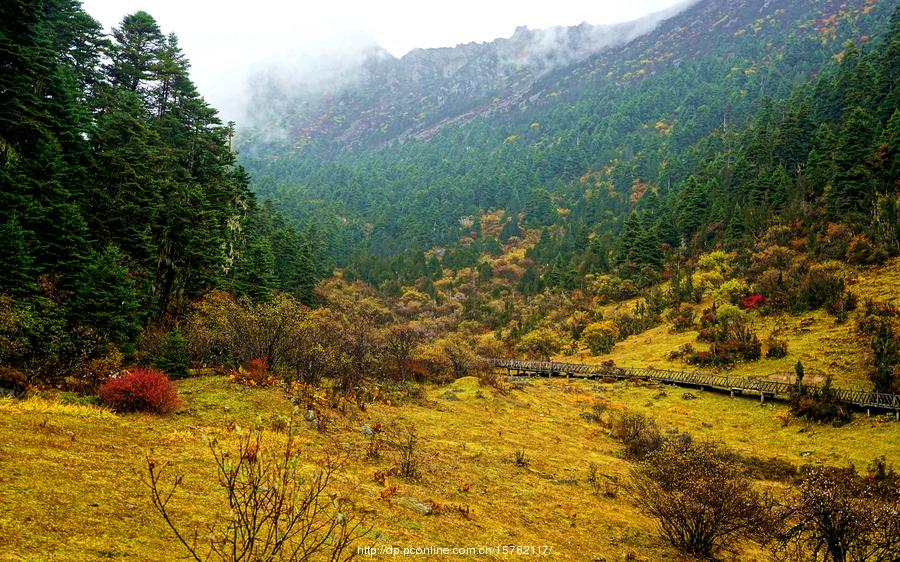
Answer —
688 396
416 505
587 416
566 482
450 396
805 453
367 430
457 390
310 415
598 408
226 409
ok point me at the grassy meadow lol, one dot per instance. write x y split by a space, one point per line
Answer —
71 475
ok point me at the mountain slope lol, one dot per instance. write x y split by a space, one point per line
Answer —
633 111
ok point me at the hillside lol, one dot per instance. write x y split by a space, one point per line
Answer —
91 502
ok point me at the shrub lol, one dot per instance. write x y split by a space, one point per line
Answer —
12 382
776 349
836 514
700 495
681 352
255 373
88 374
640 435
610 288
521 459
861 251
819 404
272 510
683 320
541 343
732 291
406 443
600 337
752 301
885 358
823 286
140 390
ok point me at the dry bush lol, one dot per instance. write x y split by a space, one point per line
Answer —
700 496
521 459
405 442
838 515
274 512
223 330
776 349
640 435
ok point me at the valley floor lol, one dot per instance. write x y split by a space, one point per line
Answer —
71 477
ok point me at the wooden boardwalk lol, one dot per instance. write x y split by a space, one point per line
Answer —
862 399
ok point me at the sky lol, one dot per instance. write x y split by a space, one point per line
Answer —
221 37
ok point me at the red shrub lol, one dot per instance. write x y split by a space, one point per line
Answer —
752 301
146 390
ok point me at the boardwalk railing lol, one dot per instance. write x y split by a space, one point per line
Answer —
761 387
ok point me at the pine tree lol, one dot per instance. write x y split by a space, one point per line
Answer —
106 299
17 272
852 188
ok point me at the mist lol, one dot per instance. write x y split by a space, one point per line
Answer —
287 97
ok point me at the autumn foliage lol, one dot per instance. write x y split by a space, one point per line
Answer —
140 390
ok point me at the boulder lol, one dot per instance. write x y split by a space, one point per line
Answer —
416 505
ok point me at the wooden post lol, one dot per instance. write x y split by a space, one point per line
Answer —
762 397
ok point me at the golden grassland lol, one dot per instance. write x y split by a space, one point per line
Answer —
71 477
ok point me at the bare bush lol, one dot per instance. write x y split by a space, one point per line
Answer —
837 515
521 459
700 496
225 331
405 442
274 513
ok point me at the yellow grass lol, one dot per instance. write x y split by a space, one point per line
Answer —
38 405
71 489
